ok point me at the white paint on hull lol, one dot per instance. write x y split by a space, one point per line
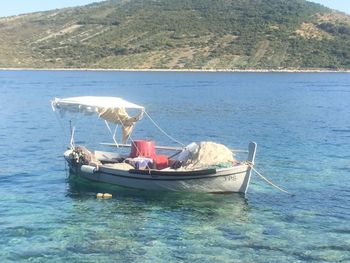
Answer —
224 180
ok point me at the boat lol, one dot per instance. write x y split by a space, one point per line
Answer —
142 164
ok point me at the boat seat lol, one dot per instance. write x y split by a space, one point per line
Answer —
108 157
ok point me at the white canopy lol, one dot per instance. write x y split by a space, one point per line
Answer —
91 104
111 109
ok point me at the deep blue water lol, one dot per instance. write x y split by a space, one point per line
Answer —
301 122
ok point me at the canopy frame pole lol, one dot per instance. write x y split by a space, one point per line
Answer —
169 148
72 131
129 137
113 134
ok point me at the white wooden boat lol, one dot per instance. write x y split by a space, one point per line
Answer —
115 168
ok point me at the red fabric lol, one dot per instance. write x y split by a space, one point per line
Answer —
161 162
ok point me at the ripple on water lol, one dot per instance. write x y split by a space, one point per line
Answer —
301 124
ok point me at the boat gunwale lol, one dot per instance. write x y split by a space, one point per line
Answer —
173 173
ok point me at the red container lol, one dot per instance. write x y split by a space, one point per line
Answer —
143 148
161 162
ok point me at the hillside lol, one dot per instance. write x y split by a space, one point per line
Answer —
182 34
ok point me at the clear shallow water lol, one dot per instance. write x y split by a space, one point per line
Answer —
301 123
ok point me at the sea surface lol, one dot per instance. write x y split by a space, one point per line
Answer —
301 122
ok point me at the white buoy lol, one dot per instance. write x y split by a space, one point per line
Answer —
105 195
88 169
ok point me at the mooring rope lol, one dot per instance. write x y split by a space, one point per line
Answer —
268 181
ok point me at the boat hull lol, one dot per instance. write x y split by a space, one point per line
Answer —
234 179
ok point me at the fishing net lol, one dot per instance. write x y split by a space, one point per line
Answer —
209 155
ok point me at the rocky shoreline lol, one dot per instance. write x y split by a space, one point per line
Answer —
186 70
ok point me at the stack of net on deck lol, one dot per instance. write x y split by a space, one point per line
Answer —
208 155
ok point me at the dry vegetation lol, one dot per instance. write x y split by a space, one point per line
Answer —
185 34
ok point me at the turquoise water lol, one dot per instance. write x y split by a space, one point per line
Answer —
301 123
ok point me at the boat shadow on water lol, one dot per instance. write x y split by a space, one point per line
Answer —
210 205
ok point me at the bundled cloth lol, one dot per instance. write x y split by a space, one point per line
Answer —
120 116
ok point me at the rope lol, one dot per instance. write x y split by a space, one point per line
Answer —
61 124
64 146
164 132
268 181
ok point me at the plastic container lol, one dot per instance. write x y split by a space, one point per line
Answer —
143 148
161 162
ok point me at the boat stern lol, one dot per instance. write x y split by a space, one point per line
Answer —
250 161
